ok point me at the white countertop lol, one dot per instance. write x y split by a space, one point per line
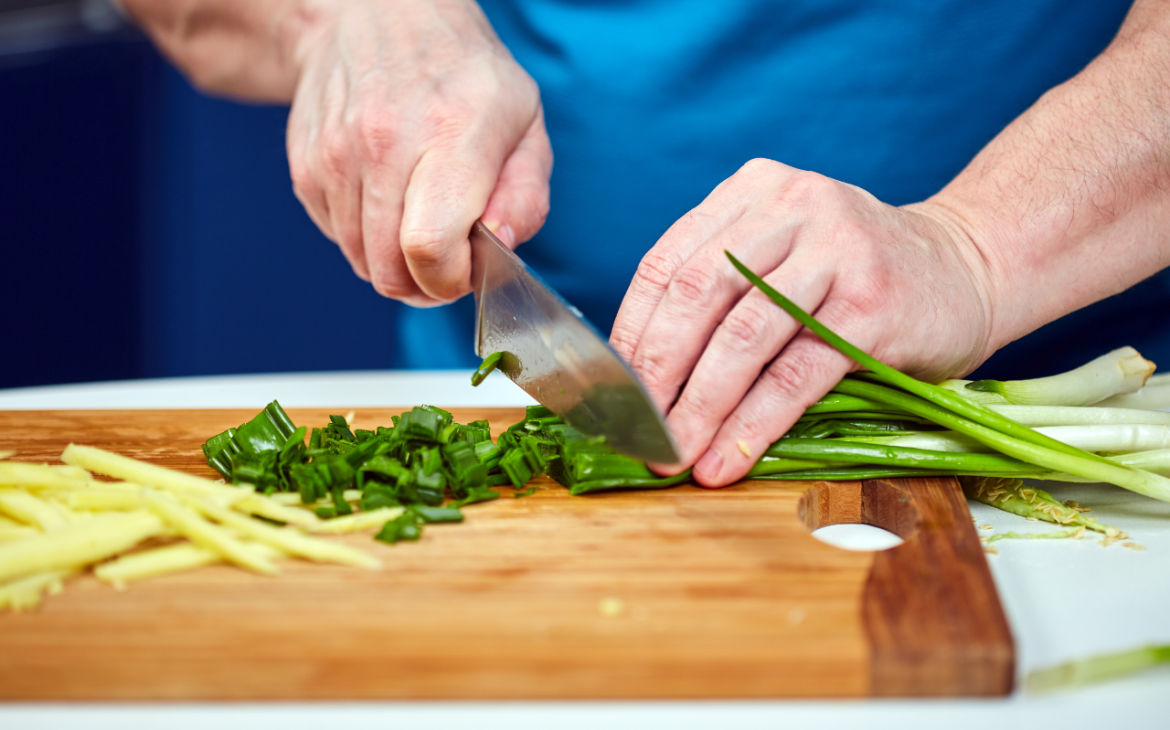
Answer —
1063 598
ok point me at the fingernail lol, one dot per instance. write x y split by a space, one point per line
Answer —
710 465
507 235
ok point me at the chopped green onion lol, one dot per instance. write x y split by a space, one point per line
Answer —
490 363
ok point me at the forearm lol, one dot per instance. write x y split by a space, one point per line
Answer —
1071 203
241 48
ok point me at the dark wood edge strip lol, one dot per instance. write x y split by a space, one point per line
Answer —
930 608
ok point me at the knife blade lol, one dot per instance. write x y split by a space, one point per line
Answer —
557 357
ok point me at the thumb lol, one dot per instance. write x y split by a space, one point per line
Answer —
448 190
519 204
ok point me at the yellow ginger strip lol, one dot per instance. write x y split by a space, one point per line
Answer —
150 475
80 544
26 593
6 454
104 499
258 504
288 540
359 521
293 499
30 510
14 532
163 560
72 472
71 517
20 474
206 535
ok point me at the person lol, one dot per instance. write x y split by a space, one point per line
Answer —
933 180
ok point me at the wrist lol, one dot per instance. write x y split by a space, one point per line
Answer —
974 239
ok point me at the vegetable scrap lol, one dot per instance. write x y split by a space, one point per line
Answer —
1098 668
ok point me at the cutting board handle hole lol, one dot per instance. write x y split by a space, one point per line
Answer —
870 515
857 537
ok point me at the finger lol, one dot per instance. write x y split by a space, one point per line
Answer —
805 370
518 207
700 295
299 140
447 192
726 204
383 186
750 337
339 169
344 199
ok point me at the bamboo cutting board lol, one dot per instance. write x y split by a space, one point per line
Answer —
675 593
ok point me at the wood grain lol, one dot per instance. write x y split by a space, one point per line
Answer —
723 594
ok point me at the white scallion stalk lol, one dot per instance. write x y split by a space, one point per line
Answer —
1110 437
1156 461
959 387
1080 416
1154 395
1114 437
1122 371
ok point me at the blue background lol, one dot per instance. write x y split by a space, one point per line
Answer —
149 230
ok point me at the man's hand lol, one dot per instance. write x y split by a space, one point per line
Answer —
409 120
731 368
1068 205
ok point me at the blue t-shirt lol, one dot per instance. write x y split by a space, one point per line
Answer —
652 103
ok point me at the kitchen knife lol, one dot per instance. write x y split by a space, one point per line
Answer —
557 357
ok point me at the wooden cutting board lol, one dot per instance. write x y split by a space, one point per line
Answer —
675 593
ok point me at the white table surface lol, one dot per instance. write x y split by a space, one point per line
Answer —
1063 598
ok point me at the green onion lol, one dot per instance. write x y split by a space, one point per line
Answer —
881 372
1115 373
490 363
853 452
1097 668
1080 416
1097 468
959 387
1155 394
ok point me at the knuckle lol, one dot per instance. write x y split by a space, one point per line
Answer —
424 246
695 283
447 120
746 327
376 133
753 424
699 404
806 189
786 376
540 207
760 167
625 342
392 288
335 156
654 369
657 269
302 178
349 238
